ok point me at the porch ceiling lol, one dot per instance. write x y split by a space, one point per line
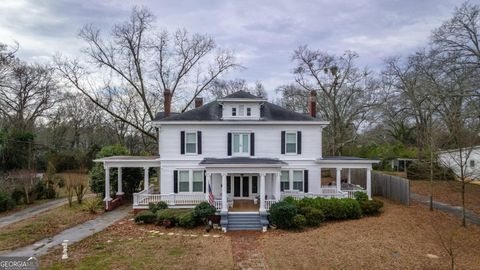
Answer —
130 161
244 162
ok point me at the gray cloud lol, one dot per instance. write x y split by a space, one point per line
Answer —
262 33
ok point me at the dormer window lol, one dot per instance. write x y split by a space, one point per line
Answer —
234 111
249 111
241 110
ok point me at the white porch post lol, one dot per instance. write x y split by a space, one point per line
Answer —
224 193
146 183
208 177
119 182
369 183
159 171
339 179
349 176
107 198
277 187
262 192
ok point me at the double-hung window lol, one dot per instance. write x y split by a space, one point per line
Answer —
234 111
298 180
291 142
241 143
249 111
191 142
285 180
197 181
472 163
183 181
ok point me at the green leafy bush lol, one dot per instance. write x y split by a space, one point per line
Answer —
282 213
6 202
313 216
202 211
146 217
338 209
166 214
50 193
187 220
360 196
371 207
93 205
299 221
155 207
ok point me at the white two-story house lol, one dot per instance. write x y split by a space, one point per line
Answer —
240 153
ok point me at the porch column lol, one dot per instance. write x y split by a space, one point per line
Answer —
107 198
159 180
224 193
369 183
262 192
208 178
277 187
146 183
119 182
349 176
339 179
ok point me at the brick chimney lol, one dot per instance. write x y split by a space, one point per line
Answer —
312 104
167 102
198 102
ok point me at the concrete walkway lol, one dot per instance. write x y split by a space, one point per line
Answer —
34 210
455 210
73 234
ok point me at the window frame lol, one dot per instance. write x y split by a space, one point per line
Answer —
472 163
186 142
234 111
286 142
287 182
240 135
180 181
201 172
296 181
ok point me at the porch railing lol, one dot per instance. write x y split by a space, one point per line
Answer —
144 198
268 204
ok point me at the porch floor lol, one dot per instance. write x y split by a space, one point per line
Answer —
244 206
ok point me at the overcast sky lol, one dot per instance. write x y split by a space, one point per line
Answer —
263 34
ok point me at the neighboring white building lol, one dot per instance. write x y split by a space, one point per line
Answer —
468 158
247 150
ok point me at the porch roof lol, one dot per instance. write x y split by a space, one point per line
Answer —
242 161
130 161
347 162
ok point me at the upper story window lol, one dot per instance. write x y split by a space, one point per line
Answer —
241 110
472 163
291 142
249 111
234 111
241 143
191 142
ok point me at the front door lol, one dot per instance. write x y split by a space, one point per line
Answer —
241 186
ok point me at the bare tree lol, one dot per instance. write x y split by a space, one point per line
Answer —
27 92
76 183
26 180
346 94
134 65
221 88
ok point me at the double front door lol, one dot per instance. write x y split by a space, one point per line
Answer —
244 186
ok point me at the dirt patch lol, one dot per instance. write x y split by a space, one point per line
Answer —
247 251
400 238
450 192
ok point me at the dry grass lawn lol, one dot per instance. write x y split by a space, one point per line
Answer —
400 238
450 192
43 225
126 245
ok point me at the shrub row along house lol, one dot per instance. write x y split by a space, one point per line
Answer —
242 154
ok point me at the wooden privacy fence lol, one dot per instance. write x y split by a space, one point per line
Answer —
391 187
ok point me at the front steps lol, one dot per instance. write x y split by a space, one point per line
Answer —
244 221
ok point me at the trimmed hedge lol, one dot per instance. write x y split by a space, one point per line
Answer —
282 214
314 217
299 221
202 211
187 220
155 207
372 207
146 217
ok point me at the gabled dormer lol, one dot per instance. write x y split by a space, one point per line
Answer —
241 105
